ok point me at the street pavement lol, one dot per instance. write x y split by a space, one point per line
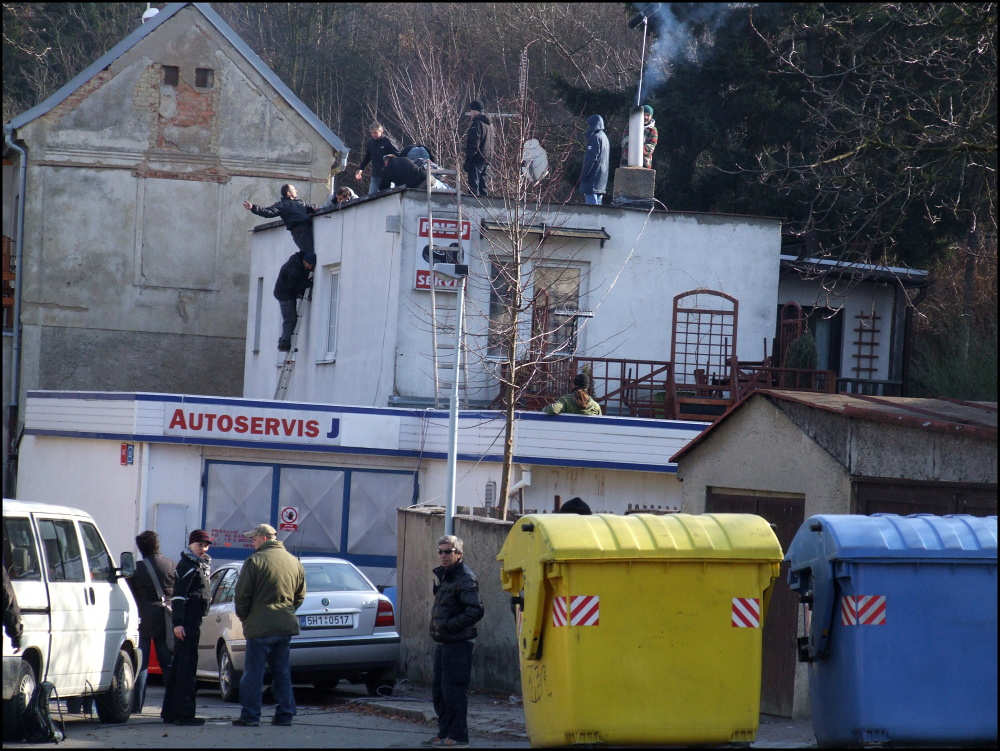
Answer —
343 718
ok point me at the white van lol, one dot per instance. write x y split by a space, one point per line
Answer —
81 624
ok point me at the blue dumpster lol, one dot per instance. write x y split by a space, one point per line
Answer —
901 627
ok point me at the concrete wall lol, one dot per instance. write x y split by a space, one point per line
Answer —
494 659
135 273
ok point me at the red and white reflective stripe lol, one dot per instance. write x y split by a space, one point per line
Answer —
746 612
585 610
559 611
862 610
578 610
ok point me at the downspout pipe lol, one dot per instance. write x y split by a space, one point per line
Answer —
524 482
15 384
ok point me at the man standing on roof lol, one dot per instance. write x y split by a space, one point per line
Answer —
293 279
375 151
594 176
649 139
478 148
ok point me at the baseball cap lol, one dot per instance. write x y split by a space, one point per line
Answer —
261 529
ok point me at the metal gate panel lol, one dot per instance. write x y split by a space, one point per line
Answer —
375 496
318 495
237 497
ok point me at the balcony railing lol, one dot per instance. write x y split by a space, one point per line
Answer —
648 388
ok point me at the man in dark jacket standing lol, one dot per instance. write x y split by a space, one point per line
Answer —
457 608
375 152
189 604
153 610
594 176
293 279
478 148
271 587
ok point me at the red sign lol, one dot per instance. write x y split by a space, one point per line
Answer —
579 610
745 612
289 518
423 281
445 229
862 610
128 453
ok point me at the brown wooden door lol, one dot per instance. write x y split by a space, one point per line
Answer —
778 670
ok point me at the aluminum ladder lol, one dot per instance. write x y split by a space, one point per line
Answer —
443 307
288 366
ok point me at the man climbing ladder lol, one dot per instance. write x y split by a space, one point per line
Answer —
294 278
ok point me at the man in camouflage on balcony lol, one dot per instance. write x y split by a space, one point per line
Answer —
579 402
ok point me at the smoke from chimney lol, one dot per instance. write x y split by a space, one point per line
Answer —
677 38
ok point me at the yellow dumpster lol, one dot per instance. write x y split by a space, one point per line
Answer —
640 629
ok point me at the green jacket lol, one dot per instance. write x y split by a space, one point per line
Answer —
271 587
567 404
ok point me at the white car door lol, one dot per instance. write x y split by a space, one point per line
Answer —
69 604
108 611
209 629
25 572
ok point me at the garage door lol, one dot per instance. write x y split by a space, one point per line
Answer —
900 497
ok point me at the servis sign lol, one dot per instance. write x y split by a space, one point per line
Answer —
246 423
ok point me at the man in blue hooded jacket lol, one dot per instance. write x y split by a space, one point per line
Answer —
594 176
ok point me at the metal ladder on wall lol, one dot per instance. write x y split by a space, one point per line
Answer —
444 310
288 366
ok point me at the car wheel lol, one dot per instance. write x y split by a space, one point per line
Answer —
115 704
229 677
380 683
13 708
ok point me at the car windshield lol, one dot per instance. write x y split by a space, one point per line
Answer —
334 577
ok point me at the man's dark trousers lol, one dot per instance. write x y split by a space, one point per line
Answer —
181 681
288 318
476 171
452 673
303 238
164 657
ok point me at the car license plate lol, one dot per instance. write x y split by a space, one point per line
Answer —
328 620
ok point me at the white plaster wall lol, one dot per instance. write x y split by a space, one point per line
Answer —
354 240
174 476
864 297
87 474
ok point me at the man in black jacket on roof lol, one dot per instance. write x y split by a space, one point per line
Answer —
478 148
403 172
293 279
457 608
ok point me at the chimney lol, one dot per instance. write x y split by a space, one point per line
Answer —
634 184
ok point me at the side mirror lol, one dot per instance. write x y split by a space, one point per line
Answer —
380 588
127 568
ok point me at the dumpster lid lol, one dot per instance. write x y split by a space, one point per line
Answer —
564 537
891 536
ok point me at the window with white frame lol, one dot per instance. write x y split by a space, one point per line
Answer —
333 300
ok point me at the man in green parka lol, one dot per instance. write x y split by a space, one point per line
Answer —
577 403
271 587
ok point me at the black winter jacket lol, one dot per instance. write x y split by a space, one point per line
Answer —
375 151
151 621
293 279
191 589
402 171
457 606
479 140
293 212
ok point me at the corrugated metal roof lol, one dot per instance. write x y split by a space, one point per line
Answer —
973 419
867 270
144 30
